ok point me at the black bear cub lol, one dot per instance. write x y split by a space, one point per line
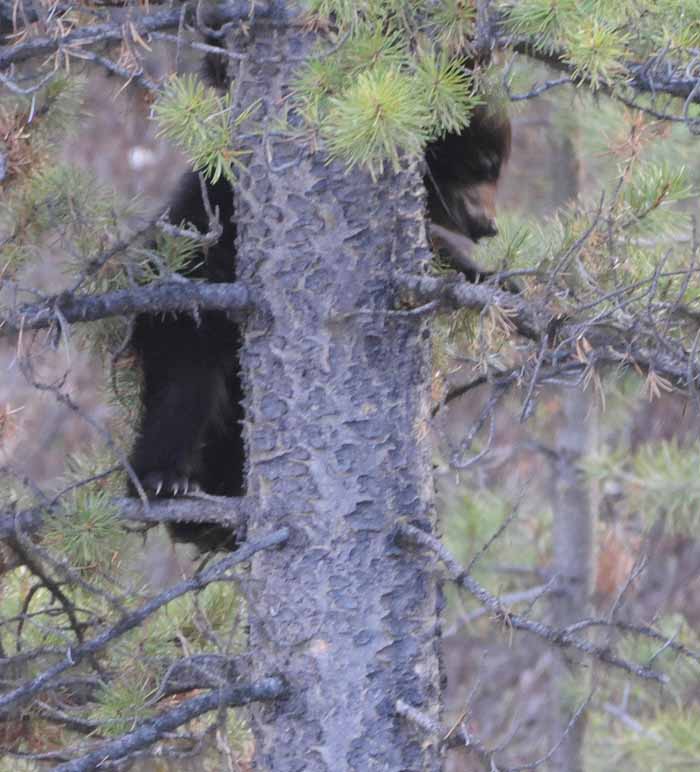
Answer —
461 180
190 433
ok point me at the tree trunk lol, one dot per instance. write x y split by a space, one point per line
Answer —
573 542
337 410
573 526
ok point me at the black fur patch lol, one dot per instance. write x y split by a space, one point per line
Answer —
190 432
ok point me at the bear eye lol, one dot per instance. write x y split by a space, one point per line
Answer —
490 165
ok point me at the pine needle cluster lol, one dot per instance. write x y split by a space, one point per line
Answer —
599 38
657 480
197 119
640 728
393 84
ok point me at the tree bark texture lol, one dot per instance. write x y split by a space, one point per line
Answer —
337 411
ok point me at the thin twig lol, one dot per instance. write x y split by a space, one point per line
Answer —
557 637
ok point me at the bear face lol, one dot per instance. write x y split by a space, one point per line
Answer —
462 175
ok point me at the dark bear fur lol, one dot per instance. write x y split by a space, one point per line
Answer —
463 172
190 433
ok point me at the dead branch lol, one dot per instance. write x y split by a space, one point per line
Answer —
561 638
112 32
166 296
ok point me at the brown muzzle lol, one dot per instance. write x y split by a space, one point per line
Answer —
477 210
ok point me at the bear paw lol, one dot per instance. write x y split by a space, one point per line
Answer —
168 485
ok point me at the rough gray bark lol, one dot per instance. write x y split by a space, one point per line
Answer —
165 296
338 403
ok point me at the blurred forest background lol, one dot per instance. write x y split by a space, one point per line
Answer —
637 502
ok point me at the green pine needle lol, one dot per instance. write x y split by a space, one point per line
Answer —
197 119
177 252
371 48
454 23
317 81
66 196
656 185
376 119
595 52
660 478
122 704
542 20
86 531
448 91
346 13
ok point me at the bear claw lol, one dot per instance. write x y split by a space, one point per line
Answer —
168 485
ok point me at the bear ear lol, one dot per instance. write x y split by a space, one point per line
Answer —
491 129
490 120
504 133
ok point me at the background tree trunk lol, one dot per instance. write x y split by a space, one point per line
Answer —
573 526
573 531
338 399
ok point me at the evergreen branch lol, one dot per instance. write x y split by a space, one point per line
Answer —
649 76
198 671
562 638
538 89
641 630
132 620
657 75
150 731
505 379
161 297
94 265
482 29
12 21
453 294
643 77
611 342
131 76
112 32
50 584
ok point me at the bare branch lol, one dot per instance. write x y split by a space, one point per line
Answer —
463 739
631 342
167 296
671 79
562 638
457 293
231 512
234 10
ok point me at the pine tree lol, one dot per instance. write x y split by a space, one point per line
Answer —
332 633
